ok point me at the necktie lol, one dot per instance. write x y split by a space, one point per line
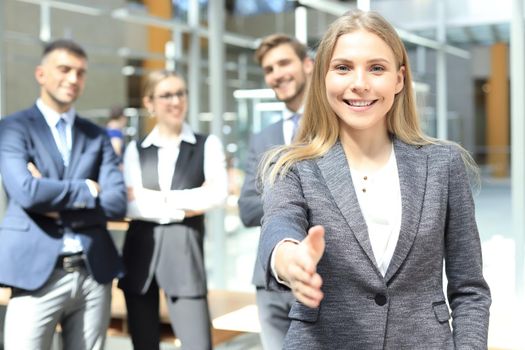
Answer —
295 120
63 148
70 240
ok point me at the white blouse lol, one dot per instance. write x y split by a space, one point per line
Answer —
379 197
166 206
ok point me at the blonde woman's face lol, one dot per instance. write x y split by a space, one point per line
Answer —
362 81
169 102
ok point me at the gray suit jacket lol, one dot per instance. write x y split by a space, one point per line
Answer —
405 309
250 202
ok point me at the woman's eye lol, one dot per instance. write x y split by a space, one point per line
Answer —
342 68
377 69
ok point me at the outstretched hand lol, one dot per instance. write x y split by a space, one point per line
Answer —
297 265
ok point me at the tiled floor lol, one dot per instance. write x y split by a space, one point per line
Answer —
493 213
242 342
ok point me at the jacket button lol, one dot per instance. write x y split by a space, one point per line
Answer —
380 299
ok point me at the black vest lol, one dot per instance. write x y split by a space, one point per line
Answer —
189 171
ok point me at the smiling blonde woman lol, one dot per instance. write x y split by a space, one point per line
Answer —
363 211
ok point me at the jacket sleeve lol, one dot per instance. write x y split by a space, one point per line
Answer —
468 293
113 196
250 202
38 195
285 217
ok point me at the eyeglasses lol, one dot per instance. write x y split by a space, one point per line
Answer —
181 94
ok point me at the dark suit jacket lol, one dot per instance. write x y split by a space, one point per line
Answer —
250 202
30 242
407 308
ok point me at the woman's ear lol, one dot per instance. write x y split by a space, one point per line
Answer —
148 103
400 79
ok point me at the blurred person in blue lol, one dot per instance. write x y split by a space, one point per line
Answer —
62 179
173 176
287 69
115 127
363 211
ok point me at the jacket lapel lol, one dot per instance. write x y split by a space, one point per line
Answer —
48 142
342 189
278 135
412 169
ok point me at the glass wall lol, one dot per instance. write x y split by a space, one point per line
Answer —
476 112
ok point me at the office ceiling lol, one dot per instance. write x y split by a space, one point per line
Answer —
487 34
468 22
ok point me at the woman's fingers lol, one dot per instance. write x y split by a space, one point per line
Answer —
304 280
305 285
309 293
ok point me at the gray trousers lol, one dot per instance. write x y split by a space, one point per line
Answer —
190 320
74 300
273 308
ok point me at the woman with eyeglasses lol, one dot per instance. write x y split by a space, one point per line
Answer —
173 176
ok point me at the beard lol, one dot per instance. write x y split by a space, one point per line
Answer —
299 92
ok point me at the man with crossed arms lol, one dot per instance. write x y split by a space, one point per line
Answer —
63 182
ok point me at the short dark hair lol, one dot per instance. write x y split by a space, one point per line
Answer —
116 112
274 40
66 45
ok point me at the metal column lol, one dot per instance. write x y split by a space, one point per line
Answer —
517 85
301 24
363 5
441 74
216 56
45 21
194 65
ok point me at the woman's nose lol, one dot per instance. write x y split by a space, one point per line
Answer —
359 81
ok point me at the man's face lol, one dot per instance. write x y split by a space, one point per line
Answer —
287 74
61 76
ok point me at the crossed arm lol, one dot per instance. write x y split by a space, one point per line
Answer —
35 192
175 205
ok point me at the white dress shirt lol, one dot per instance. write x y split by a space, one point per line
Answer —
288 124
51 116
71 241
167 206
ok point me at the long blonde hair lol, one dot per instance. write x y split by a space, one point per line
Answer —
319 129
